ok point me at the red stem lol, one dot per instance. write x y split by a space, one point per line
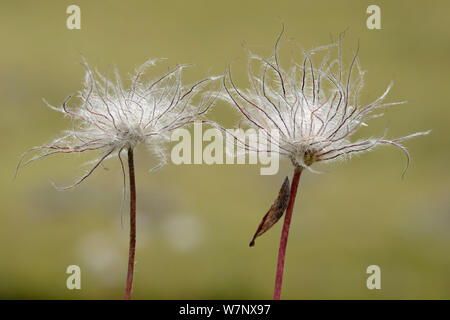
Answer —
132 226
285 233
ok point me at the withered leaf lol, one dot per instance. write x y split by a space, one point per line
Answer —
275 212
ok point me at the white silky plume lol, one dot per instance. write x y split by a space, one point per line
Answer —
109 118
314 109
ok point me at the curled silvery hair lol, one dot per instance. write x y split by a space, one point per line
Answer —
313 106
109 118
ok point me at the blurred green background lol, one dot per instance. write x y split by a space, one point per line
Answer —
195 222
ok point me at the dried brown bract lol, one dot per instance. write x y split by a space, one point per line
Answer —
275 212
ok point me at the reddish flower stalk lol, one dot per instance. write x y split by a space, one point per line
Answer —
285 234
132 225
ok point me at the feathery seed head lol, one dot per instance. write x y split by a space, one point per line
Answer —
109 118
314 108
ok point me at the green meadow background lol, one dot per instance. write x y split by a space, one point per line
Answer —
195 221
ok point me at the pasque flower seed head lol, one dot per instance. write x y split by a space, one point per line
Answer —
313 111
109 118
313 108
